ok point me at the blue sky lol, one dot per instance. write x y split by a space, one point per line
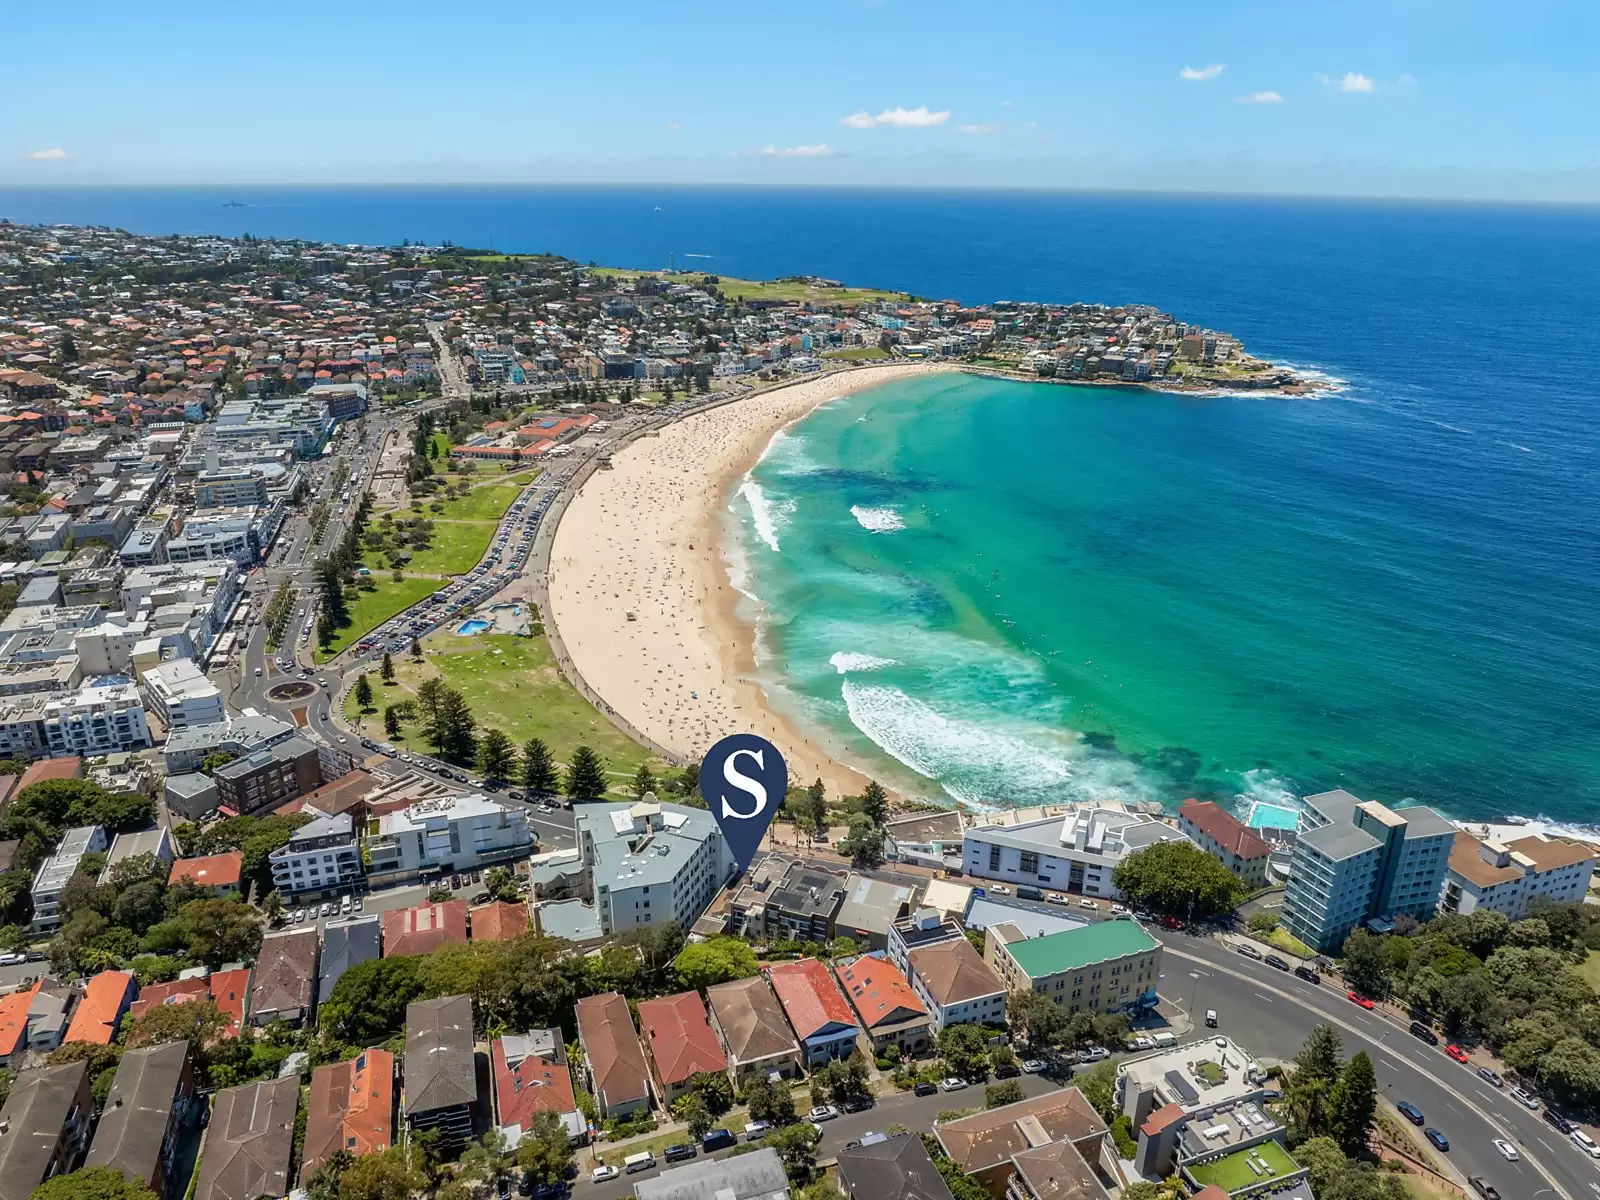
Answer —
1454 98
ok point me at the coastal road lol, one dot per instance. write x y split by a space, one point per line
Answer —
1270 1012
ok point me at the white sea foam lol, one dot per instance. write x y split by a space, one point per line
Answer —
764 513
1262 786
877 520
846 661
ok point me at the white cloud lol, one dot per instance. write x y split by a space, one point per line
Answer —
815 150
896 118
1193 74
978 130
56 153
1351 81
1260 98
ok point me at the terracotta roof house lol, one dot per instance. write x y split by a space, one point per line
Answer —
892 1013
46 1126
285 977
248 1142
68 767
14 1021
228 990
895 1168
441 1079
983 1144
423 929
351 1107
618 1077
1226 838
817 1013
955 984
107 996
219 872
750 1022
680 1040
141 1127
1057 1171
531 1076
499 922
1505 876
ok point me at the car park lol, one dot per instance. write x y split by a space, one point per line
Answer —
1411 1112
1507 1150
1439 1141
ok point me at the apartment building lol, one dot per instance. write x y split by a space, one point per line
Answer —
441 1091
321 856
613 1063
55 872
1505 877
181 696
531 1076
141 1128
1107 967
985 1144
1227 839
350 1107
754 1032
1359 862
457 832
1077 852
96 720
269 777
249 1142
681 1042
651 862
888 1008
45 1123
956 985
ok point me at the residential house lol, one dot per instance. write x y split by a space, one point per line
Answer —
1075 853
983 1144
816 1011
220 873
44 1127
106 998
1226 838
285 977
530 1077
423 929
321 856
34 1019
351 1107
754 1032
228 990
441 1088
1504 877
889 1010
249 1141
498 921
614 1064
890 1168
956 985
345 943
680 1041
151 1102
1107 967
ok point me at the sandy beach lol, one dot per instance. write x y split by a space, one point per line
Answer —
645 538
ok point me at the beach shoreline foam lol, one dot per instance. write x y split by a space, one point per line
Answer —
643 594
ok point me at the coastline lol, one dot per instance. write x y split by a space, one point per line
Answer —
645 538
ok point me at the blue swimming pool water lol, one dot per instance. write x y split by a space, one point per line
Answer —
1270 816
473 626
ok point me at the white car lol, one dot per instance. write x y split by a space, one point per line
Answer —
952 1084
1034 1065
998 889
822 1112
297 916
1525 1098
603 1174
1120 909
1507 1150
1085 902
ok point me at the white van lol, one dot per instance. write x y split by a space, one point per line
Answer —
1163 1040
641 1161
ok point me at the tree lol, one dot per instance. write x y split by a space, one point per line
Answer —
1310 1089
544 1152
368 1003
714 1089
1571 1070
386 668
864 842
501 884
211 762
811 808
1354 1104
416 649
692 1111
396 1174
538 768
1178 878
1365 963
1322 1157
768 1100
586 775
875 803
1041 1020
429 692
998 1095
965 1050
93 1183
644 782
843 947
213 931
496 756
364 693
452 729
715 960
391 721
272 907
797 1149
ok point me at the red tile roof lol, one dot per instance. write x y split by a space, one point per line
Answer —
530 1083
14 1018
680 1038
1226 829
880 993
213 870
423 929
70 767
1161 1118
101 1008
499 922
809 998
228 990
351 1107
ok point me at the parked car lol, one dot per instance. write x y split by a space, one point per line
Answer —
1085 902
856 1104
1486 1191
1411 1112
1507 1150
952 1083
1034 1065
1008 1070
717 1139
680 1152
1120 909
1557 1122
1587 1144
1308 974
1525 1098
1419 1030
481 898
1440 1142
1491 1077
1272 960
603 1174
1249 951
1358 998
1456 1052
1093 1054
756 1130
925 1089
822 1112
997 889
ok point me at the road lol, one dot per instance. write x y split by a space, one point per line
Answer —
1271 1012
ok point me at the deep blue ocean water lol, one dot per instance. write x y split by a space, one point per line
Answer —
1440 510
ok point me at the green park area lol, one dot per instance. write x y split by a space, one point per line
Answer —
374 601
1234 1171
511 684
784 290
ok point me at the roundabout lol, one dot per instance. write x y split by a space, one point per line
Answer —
298 689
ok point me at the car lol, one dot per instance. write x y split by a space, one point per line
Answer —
481 898
1248 950
324 716
1507 1150
1035 1065
516 795
455 882
1085 902
297 916
952 1083
925 1089
756 1130
324 909
997 889
1525 1098
1491 1077
1170 923
603 1174
1456 1052
1584 1142
1557 1122
360 903
1008 1070
1211 1018
1419 1030
856 1104
1358 998
1411 1112
1485 1190
717 1139
1308 974
822 1112
1144 1042
1121 910
680 1152
1273 961
550 1191
1093 1054
1440 1142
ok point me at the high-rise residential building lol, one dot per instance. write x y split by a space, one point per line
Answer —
651 862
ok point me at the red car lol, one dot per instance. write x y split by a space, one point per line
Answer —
1171 923
1456 1052
1359 999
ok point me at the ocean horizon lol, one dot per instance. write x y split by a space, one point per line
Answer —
1003 593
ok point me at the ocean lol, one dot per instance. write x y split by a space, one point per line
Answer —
1000 593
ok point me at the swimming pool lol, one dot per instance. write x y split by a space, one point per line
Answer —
1272 816
467 628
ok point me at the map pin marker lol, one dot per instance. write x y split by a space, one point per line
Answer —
744 780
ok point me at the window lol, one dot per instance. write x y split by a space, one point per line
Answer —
994 858
1030 862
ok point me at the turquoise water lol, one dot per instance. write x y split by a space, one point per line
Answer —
473 626
1271 816
1004 593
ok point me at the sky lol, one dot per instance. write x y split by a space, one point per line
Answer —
1464 99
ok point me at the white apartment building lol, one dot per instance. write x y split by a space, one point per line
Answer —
450 833
1504 877
650 862
321 856
55 871
237 488
107 649
96 720
179 693
1077 852
222 534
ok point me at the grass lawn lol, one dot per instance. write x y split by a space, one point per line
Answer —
1590 969
456 548
487 503
518 690
1284 940
441 443
1232 1171
858 353
369 609
773 289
